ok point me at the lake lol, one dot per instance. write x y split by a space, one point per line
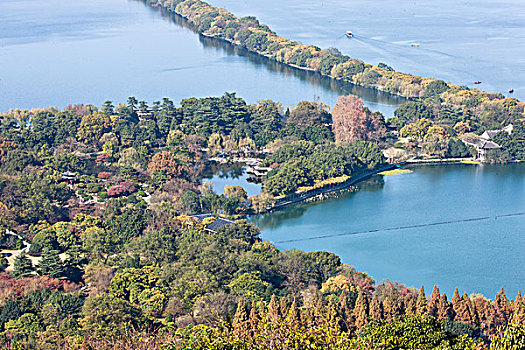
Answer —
476 256
460 41
56 52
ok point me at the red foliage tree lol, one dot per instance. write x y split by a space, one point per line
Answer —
351 121
12 288
102 158
124 188
104 175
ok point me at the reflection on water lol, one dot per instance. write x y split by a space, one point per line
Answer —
278 217
233 174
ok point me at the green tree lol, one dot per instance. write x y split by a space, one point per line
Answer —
250 286
410 332
154 247
436 87
106 316
411 112
51 264
22 267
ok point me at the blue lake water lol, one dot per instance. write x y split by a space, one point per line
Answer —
233 175
56 52
460 41
479 256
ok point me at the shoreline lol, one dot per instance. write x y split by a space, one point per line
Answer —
202 18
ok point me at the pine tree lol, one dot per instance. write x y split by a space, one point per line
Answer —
283 306
445 310
409 304
332 316
273 310
254 317
421 302
455 298
360 312
376 309
293 319
345 312
501 309
474 318
518 309
391 308
319 310
433 304
485 311
22 267
51 265
262 310
240 322
461 310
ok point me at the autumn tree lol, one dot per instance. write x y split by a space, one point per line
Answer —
445 310
164 164
360 312
421 302
462 311
376 308
433 304
518 309
391 307
293 319
351 121
409 304
240 322
235 192
501 308
274 314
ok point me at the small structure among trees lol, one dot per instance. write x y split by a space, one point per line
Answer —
69 177
215 225
484 142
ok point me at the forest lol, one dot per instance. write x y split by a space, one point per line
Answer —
100 249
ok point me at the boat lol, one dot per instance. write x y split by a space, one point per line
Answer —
349 34
415 45
477 82
511 91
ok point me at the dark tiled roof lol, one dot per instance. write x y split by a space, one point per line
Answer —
214 226
217 224
483 144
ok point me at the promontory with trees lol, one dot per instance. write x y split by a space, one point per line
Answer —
104 251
